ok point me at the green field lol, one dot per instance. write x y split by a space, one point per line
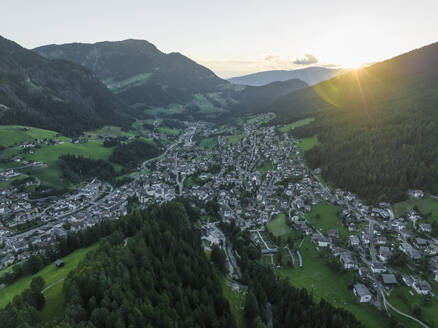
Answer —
426 205
308 143
169 131
297 124
266 167
108 130
403 301
50 274
331 286
234 139
208 143
12 134
235 300
50 155
54 303
278 225
327 219
205 105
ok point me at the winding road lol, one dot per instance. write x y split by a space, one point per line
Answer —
387 304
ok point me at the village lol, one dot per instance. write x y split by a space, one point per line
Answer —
254 173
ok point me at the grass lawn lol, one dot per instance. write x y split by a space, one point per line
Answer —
169 131
108 130
426 205
402 300
205 105
208 143
308 143
54 303
278 225
267 166
297 124
50 274
235 300
234 139
12 134
327 219
50 155
331 286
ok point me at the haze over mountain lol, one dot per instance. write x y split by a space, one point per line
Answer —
377 126
53 94
137 72
310 75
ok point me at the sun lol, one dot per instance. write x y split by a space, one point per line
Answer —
353 64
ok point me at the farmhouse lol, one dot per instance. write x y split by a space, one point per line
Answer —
362 293
422 287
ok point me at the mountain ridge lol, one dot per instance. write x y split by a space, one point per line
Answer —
53 94
311 75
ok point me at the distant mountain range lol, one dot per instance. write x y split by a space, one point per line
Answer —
310 75
53 94
137 72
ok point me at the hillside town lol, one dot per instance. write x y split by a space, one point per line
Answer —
253 173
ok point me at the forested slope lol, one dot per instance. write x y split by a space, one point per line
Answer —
53 94
377 126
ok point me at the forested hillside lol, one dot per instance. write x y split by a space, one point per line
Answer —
377 126
53 94
151 271
138 72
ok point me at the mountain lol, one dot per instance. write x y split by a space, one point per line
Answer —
310 75
137 72
53 94
377 126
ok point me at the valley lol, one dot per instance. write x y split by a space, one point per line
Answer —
315 236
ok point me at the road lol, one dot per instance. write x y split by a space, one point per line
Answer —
291 255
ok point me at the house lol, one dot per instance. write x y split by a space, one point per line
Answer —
362 293
354 240
381 240
420 243
384 253
417 194
389 279
334 234
320 240
348 260
59 263
377 267
422 287
425 227
408 280
363 272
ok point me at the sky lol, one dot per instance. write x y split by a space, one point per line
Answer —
234 37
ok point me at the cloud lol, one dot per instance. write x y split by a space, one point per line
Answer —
307 60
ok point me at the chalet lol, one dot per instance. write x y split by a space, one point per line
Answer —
408 280
425 227
420 243
320 240
348 260
377 267
422 287
384 253
354 241
362 293
389 279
